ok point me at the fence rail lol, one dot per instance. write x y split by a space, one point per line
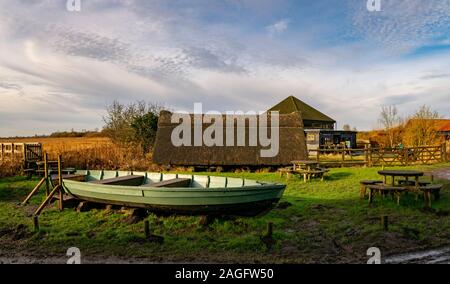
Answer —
23 152
369 157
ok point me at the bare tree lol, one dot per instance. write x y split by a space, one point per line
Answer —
390 119
347 127
421 129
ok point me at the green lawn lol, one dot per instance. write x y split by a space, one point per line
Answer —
327 222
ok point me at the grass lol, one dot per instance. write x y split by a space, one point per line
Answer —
326 222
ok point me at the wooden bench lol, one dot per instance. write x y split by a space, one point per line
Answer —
364 184
288 171
427 190
68 177
308 174
413 183
395 191
130 180
176 182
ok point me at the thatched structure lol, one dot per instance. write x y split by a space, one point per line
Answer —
292 146
312 118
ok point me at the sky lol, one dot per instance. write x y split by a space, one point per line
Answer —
59 69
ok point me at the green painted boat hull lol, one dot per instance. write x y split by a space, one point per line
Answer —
198 199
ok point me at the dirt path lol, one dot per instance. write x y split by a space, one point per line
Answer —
58 259
435 256
442 173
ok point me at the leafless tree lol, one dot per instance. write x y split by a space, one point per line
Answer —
390 119
422 129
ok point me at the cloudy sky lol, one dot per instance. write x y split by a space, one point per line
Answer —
59 69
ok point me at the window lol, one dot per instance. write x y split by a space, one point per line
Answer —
311 137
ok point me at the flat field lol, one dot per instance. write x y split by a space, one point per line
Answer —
90 153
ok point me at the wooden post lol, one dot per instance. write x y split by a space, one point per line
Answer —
444 152
270 229
147 229
385 222
47 187
60 183
447 151
36 223
343 157
33 192
318 154
43 204
12 153
366 156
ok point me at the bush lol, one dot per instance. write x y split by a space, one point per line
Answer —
133 125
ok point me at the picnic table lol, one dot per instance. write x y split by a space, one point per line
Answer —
308 169
407 174
402 186
305 164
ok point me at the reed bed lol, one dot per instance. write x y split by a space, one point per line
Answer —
86 153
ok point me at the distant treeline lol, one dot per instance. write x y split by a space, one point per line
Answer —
64 134
76 134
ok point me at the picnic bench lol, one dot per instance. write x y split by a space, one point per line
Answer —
287 171
131 180
313 173
395 191
428 190
401 186
308 169
364 185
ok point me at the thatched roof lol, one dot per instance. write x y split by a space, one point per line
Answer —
292 104
292 146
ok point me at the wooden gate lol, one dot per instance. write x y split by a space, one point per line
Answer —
425 155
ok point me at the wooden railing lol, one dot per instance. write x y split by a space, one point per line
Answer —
24 152
381 156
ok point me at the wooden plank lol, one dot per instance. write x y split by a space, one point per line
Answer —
124 180
74 177
176 182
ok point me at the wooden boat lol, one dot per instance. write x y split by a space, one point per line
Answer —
175 193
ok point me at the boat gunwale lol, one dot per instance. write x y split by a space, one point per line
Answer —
266 186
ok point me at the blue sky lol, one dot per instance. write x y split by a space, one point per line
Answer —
59 69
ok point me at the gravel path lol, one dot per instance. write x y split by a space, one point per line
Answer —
442 173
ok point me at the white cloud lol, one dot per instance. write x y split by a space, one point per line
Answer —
278 27
57 61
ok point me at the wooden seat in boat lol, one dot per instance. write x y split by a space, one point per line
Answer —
131 180
175 182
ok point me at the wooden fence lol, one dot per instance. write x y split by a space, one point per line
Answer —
381 156
21 152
